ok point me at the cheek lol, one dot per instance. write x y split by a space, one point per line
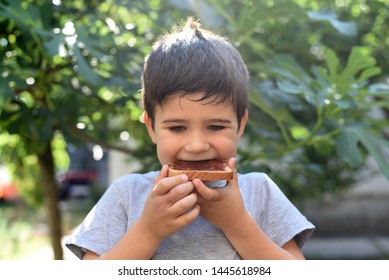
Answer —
166 151
226 147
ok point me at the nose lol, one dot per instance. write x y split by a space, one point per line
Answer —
197 143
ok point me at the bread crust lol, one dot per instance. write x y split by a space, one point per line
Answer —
206 170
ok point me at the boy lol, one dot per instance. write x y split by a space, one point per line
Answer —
195 95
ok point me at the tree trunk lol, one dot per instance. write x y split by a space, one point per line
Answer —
50 194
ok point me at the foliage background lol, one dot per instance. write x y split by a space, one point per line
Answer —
70 74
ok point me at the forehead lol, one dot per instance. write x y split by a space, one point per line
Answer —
197 99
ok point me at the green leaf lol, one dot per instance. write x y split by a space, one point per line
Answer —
287 66
345 28
321 77
295 79
368 73
5 92
332 63
379 90
25 18
347 147
345 104
84 69
289 87
375 144
53 46
357 61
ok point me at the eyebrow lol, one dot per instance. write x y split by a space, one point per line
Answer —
185 121
219 121
174 121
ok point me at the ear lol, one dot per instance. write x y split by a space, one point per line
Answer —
149 126
243 122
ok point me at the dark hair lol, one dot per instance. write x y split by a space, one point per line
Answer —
190 60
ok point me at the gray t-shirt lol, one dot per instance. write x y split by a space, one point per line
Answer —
122 204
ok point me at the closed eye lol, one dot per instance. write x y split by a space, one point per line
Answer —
177 128
216 127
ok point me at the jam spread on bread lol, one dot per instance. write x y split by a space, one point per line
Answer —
207 165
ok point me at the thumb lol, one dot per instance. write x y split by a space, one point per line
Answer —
234 181
162 174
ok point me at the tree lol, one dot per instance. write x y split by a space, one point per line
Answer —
315 80
70 70
70 73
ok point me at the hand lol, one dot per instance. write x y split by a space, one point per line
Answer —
224 206
170 206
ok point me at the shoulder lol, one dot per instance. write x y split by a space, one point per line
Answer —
131 184
273 211
256 181
135 179
259 189
126 192
253 177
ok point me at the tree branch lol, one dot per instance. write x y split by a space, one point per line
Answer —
87 138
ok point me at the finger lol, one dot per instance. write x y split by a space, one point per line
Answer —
183 205
232 164
179 192
204 191
234 181
188 217
164 184
162 174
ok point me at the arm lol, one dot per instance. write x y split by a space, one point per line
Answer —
243 242
137 243
252 243
169 207
224 208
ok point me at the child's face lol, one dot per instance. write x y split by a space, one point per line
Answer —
185 129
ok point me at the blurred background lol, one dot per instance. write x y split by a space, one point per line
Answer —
319 109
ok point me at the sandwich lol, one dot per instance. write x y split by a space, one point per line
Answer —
205 170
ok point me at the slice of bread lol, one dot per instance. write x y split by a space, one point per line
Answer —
205 170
